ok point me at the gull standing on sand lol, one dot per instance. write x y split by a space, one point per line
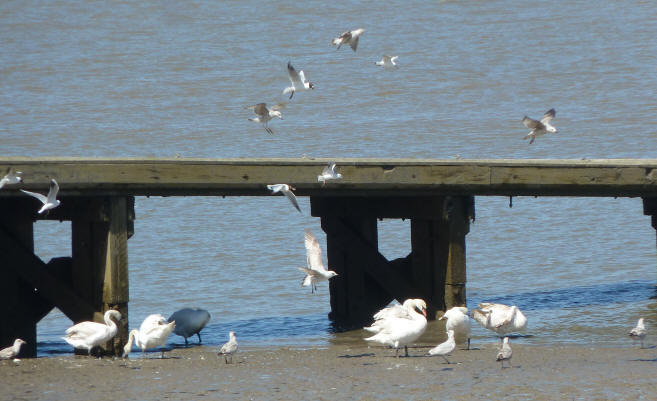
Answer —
458 321
266 114
329 173
315 272
539 128
286 190
388 62
12 177
11 352
505 353
189 321
400 326
152 333
50 201
350 38
298 79
445 348
500 318
229 348
89 335
639 332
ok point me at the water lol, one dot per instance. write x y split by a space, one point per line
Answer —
114 78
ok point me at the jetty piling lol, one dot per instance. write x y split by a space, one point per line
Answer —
97 197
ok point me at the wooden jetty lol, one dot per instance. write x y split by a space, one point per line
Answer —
98 197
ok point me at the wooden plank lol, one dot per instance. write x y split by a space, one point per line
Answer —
371 177
455 272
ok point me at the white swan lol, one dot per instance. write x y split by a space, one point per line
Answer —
88 335
639 331
190 321
152 333
10 352
446 348
397 310
458 321
400 327
501 319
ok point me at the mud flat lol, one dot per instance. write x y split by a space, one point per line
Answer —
339 372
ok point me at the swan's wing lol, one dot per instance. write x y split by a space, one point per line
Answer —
85 329
548 116
40 197
531 123
52 192
479 316
313 252
502 316
394 311
294 76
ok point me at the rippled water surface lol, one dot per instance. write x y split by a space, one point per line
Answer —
97 78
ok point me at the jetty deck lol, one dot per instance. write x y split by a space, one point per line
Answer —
438 196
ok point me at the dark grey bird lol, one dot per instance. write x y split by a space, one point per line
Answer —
190 321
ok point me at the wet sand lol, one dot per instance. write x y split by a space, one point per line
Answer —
353 371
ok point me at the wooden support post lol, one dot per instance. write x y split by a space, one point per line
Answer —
100 261
458 212
650 209
17 322
429 263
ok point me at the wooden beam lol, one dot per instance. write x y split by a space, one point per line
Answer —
370 177
31 269
399 207
459 211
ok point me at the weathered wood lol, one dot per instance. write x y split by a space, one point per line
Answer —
371 177
458 223
13 288
33 271
393 207
428 263
100 261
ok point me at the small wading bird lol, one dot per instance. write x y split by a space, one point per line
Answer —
399 326
50 201
286 190
11 352
266 114
189 321
89 335
458 321
445 348
12 177
505 353
229 348
329 173
639 332
388 62
539 128
348 38
299 81
152 333
315 272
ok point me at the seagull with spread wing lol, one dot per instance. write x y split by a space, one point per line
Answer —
348 38
298 80
315 272
50 201
265 114
286 190
539 128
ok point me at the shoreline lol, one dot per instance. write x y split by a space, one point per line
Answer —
347 371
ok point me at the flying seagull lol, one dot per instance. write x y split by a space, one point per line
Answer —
539 128
49 202
349 37
298 79
286 190
315 272
266 114
12 177
328 173
388 61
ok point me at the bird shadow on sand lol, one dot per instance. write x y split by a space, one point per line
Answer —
367 354
644 360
